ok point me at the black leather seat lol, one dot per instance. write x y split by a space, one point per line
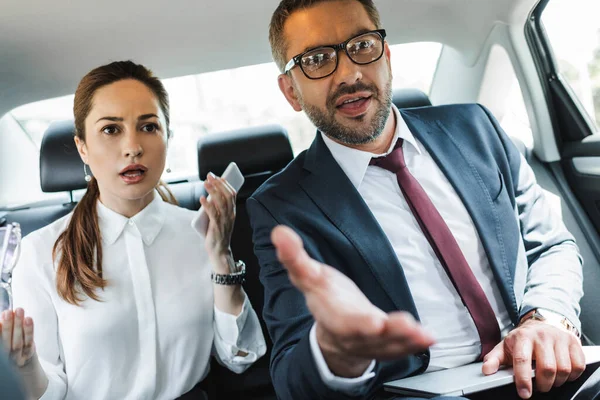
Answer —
61 170
259 153
409 98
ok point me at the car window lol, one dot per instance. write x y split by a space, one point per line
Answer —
212 102
501 93
573 29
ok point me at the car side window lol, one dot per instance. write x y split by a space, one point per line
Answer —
573 30
501 93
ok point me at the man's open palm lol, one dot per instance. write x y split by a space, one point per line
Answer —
351 331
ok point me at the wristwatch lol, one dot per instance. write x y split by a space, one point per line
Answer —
552 318
236 278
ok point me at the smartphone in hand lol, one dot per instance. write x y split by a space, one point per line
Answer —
234 177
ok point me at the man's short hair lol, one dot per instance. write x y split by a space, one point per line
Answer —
286 8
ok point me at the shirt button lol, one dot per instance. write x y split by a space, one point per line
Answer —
131 222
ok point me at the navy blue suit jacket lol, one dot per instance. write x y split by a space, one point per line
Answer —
314 197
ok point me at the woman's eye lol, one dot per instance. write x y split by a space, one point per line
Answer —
109 130
150 128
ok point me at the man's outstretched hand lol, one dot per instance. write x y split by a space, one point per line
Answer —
351 331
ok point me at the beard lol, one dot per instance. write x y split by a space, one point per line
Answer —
366 132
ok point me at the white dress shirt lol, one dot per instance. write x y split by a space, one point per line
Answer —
441 310
152 333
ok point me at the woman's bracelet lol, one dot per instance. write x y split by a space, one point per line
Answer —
236 278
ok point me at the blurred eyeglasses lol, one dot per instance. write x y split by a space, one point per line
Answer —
10 246
322 61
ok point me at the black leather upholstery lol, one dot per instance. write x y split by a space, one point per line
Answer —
188 193
259 152
32 219
253 150
408 98
61 168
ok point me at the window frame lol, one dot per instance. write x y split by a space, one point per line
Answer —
570 121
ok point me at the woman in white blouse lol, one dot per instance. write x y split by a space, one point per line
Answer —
120 290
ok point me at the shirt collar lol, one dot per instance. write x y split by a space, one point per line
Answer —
355 162
148 222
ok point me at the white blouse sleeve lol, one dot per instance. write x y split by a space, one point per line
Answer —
241 333
33 281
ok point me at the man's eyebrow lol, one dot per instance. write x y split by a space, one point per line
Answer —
114 119
356 33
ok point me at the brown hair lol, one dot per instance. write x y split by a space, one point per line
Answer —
80 265
287 8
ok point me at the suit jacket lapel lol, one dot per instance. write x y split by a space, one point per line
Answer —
451 159
329 187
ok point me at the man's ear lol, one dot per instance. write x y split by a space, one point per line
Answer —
388 56
82 149
287 88
387 51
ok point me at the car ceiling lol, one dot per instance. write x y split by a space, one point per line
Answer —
46 47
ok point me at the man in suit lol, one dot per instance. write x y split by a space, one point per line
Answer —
422 240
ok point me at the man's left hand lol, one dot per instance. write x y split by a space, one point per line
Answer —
557 354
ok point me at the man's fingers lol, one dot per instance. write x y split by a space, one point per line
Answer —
373 347
399 336
387 351
545 365
359 327
303 270
403 325
563 362
577 360
494 359
521 357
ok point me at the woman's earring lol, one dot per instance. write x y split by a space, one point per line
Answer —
88 177
169 136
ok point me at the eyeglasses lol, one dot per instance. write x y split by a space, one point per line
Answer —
10 246
322 61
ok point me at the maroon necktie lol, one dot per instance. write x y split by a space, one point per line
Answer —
444 244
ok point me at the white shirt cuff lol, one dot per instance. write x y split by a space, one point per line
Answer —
235 334
229 326
350 386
